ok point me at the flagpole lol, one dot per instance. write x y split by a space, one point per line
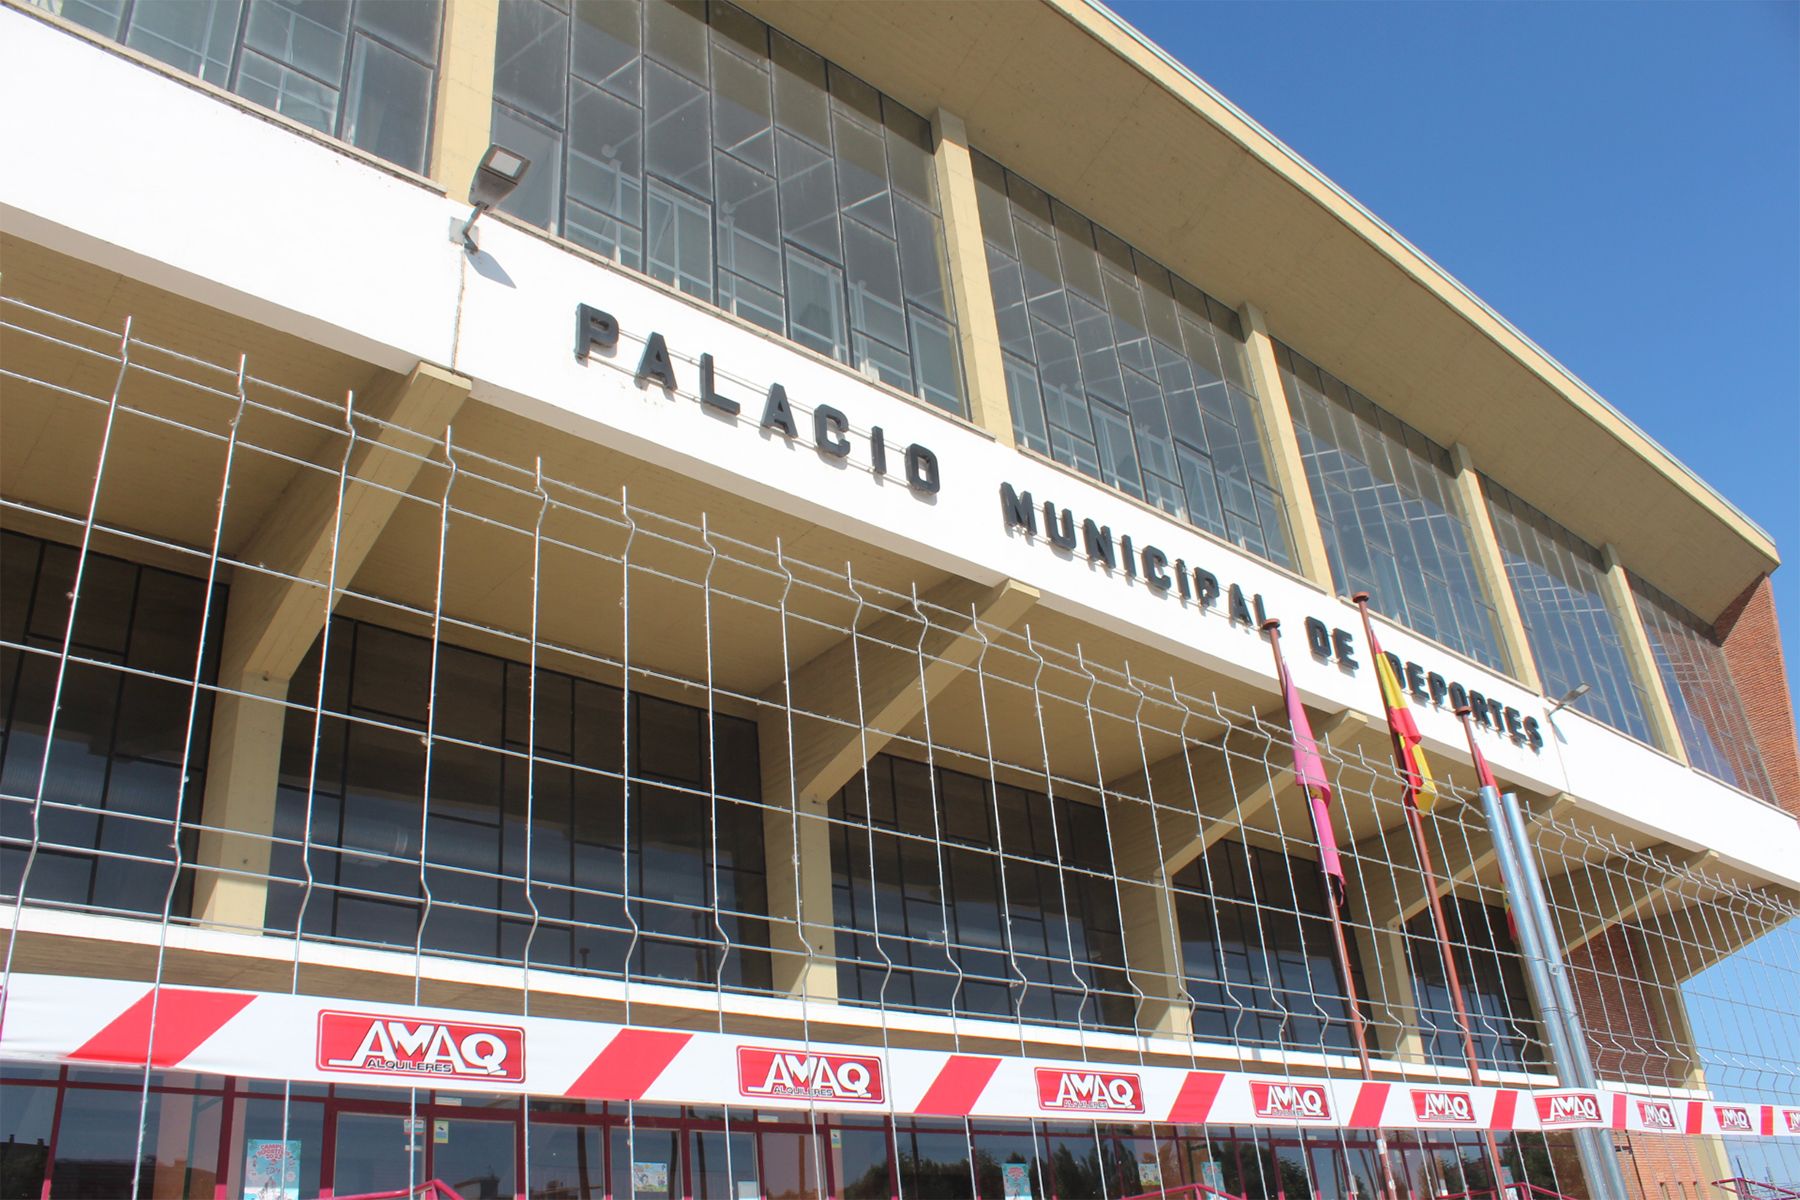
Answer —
1416 823
1333 887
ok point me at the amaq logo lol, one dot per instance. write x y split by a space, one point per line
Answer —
1290 1101
1791 1118
1442 1107
790 1075
1733 1118
1656 1115
371 1044
1089 1091
1568 1109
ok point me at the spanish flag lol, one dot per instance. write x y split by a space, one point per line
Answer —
1409 755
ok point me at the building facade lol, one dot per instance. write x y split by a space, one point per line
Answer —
747 663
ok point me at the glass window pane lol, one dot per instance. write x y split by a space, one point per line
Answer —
862 174
272 85
607 35
940 371
536 198
677 137
679 238
922 262
606 166
872 265
878 360
412 25
389 105
196 36
743 109
809 212
801 104
306 35
530 59
675 33
816 302
749 231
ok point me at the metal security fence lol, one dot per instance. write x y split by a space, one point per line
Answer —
352 677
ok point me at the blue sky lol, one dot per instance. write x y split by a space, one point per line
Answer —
1621 181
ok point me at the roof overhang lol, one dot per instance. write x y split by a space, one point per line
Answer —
1065 94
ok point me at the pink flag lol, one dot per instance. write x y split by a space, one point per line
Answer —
1309 773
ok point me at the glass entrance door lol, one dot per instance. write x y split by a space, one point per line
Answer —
477 1158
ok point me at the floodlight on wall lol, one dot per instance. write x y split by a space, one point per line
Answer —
1575 693
498 173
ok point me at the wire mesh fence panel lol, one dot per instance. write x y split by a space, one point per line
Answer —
440 710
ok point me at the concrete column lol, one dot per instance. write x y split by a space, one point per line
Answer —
1392 1008
1642 660
243 772
313 533
1284 450
972 297
812 749
1147 919
463 121
1490 569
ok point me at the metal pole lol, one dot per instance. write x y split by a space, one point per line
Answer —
1538 942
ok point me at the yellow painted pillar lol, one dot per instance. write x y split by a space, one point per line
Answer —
1636 642
464 104
1284 450
1490 568
978 329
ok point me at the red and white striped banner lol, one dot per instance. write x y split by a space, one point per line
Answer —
52 1018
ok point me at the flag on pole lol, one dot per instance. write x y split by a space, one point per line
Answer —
1309 772
1421 789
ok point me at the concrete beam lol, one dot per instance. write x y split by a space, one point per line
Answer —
1207 790
806 762
1164 819
1589 900
273 618
1456 860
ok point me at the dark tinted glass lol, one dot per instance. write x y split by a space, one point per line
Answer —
1258 952
113 802
495 839
994 902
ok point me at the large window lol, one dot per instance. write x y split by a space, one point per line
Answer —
951 895
1558 580
1386 499
1258 953
1698 682
112 786
1123 371
528 844
720 157
360 70
1505 1033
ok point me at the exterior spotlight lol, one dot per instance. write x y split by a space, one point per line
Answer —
1575 693
498 173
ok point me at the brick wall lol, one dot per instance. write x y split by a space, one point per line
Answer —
1752 640
1631 1036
